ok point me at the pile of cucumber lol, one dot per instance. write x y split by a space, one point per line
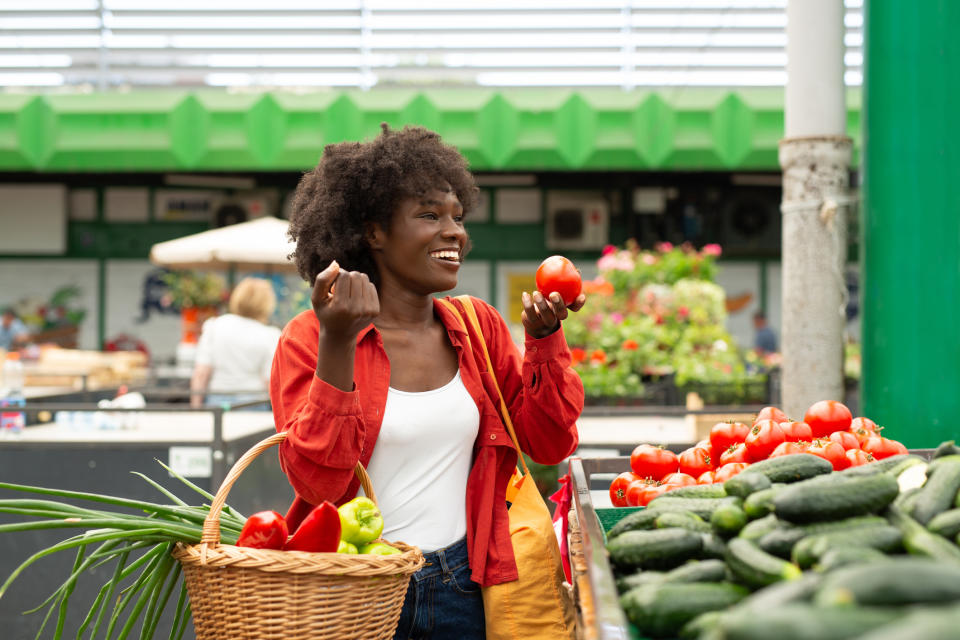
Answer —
790 549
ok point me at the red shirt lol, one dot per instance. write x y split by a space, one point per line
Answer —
328 430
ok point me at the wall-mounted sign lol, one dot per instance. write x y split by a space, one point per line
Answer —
185 205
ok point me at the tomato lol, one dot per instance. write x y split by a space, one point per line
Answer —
858 457
679 480
319 532
263 530
787 448
618 488
827 416
830 451
725 434
763 439
771 413
641 492
648 461
796 431
705 478
735 453
634 489
557 273
729 470
880 447
695 460
845 439
863 423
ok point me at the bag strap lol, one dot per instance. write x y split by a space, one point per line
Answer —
471 317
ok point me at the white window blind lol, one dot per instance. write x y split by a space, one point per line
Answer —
424 43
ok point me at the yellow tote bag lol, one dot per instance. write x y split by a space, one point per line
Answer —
538 605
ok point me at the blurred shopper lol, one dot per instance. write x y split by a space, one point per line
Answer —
235 350
13 332
765 340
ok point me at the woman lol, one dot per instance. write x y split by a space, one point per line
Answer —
379 372
235 350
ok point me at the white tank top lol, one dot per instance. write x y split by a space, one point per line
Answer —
420 464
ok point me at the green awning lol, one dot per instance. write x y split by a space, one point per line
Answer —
516 130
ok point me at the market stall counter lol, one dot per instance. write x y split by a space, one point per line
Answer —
199 444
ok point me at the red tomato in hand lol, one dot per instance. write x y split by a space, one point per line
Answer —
771 413
845 439
880 447
648 461
858 457
695 460
725 434
729 470
763 439
827 416
796 431
830 451
557 273
264 530
678 480
787 448
618 488
735 453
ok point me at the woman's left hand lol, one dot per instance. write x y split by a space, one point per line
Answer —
542 316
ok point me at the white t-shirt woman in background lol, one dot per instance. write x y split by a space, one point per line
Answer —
235 350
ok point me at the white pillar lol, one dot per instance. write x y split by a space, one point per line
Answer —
815 158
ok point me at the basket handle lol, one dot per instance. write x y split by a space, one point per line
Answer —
211 524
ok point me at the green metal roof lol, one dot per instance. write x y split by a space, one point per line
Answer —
516 130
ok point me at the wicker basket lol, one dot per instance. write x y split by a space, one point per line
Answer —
238 593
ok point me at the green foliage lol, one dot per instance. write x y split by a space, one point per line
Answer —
194 289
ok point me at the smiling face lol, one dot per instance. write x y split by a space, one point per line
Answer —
423 249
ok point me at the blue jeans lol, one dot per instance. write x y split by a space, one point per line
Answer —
442 601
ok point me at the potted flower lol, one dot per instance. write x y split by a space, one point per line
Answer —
197 295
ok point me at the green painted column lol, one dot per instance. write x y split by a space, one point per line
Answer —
910 257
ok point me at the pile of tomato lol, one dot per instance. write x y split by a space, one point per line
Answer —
828 430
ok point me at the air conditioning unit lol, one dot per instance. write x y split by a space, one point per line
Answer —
751 219
577 221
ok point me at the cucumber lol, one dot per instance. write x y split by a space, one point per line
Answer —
728 519
760 504
845 556
896 582
636 521
804 622
625 583
792 468
781 541
781 593
698 571
703 507
756 529
746 483
699 491
929 624
947 524
939 492
705 626
917 540
657 549
836 496
935 464
885 537
661 610
682 520
948 448
713 546
893 464
756 568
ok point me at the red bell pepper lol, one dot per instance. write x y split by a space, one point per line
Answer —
319 532
263 530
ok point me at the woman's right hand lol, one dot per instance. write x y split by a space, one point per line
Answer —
346 309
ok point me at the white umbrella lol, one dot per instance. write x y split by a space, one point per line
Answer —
261 244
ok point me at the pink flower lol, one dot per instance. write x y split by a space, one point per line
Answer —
607 250
664 246
616 318
649 258
712 249
683 312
